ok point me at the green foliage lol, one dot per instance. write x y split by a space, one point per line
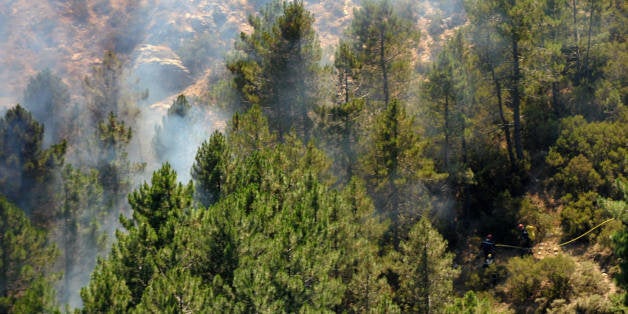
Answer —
25 255
589 162
276 66
589 156
548 278
394 165
619 210
472 303
542 284
277 239
174 292
118 283
156 204
582 214
382 41
208 169
361 265
340 129
28 172
249 132
179 107
106 292
620 241
114 167
532 215
103 88
588 304
80 221
173 130
426 269
47 97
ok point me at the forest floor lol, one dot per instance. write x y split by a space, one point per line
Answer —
552 243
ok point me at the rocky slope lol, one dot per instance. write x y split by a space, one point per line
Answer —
170 44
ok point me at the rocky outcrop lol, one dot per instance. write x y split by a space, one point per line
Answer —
160 71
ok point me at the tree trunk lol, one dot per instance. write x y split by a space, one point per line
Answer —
505 126
516 97
589 35
446 148
382 61
466 187
556 104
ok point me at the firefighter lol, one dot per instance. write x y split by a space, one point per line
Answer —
524 240
488 248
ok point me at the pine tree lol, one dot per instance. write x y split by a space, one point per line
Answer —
25 255
175 291
452 112
363 268
381 41
395 168
276 66
114 167
208 169
426 267
80 222
142 253
172 130
28 172
103 90
47 97
512 22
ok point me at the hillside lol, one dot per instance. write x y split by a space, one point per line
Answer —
313 156
69 37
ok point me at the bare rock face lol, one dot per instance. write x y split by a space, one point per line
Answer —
160 71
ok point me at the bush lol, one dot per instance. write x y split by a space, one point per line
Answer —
530 214
581 215
549 284
472 303
578 176
587 304
548 279
485 278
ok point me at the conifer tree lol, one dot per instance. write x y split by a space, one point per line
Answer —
426 269
28 172
103 90
276 66
452 90
174 292
47 97
208 169
382 42
172 130
362 264
396 168
113 165
513 22
25 255
80 222
120 281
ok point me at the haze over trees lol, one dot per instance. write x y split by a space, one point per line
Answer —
355 179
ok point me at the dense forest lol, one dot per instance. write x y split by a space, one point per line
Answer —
361 177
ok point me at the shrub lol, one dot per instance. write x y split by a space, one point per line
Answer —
473 303
581 215
557 284
529 280
530 214
587 304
